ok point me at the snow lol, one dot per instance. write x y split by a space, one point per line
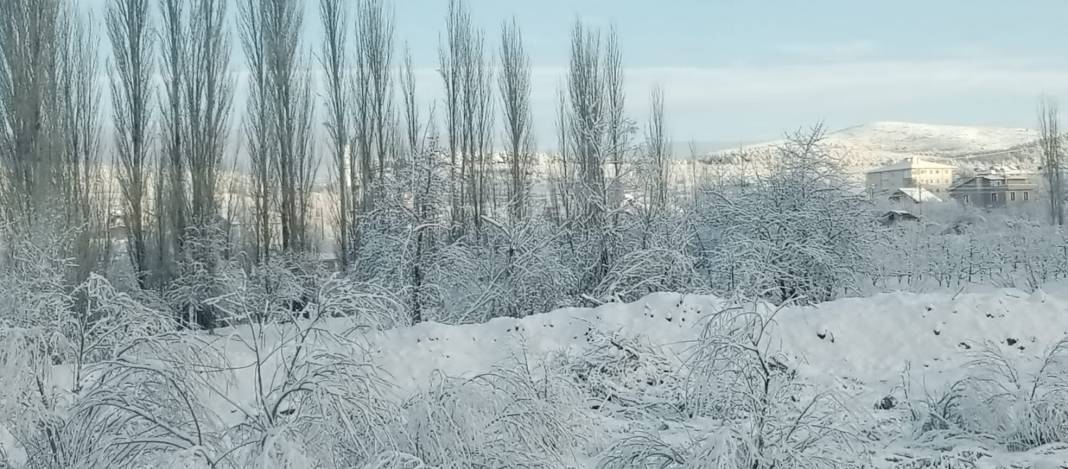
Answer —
877 144
872 339
946 140
862 348
15 454
919 194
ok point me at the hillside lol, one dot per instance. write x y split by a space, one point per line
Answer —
868 146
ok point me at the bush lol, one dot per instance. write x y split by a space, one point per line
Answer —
504 418
769 415
625 377
1020 405
796 233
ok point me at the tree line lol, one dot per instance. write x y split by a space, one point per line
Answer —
446 206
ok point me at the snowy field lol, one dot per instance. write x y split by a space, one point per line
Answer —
944 380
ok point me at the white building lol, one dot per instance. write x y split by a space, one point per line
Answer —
910 173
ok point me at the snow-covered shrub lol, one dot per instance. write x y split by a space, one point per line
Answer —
54 340
625 377
638 273
462 282
105 322
956 246
365 304
136 389
936 416
1019 404
723 448
36 316
288 288
318 401
35 283
641 451
771 416
29 396
504 418
521 270
533 275
145 404
200 274
795 233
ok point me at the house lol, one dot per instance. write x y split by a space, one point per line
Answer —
909 173
995 190
895 216
914 195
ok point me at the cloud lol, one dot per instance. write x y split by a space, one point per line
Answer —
828 51
750 101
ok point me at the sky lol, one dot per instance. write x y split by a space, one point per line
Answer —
737 71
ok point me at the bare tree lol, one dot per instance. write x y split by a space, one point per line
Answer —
50 136
590 119
653 172
562 194
466 75
207 92
425 184
693 171
618 126
306 166
274 27
27 82
334 60
174 45
208 97
514 83
132 41
1050 140
374 97
79 173
450 57
477 111
258 142
658 154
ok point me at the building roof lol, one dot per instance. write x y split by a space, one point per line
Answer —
894 216
918 194
1008 180
900 213
909 163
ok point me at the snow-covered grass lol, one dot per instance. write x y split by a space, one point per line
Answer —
670 380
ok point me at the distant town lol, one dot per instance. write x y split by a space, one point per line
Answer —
916 181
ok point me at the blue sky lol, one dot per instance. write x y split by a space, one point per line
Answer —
737 71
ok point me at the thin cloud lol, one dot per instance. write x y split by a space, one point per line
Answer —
828 51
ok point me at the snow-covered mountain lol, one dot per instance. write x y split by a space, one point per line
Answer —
876 144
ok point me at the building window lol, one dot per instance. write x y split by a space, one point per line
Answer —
1012 197
993 197
1025 196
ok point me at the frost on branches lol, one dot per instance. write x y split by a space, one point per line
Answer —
795 231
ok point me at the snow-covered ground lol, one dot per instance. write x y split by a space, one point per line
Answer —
945 379
889 348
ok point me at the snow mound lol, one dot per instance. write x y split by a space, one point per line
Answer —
863 350
412 355
873 340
